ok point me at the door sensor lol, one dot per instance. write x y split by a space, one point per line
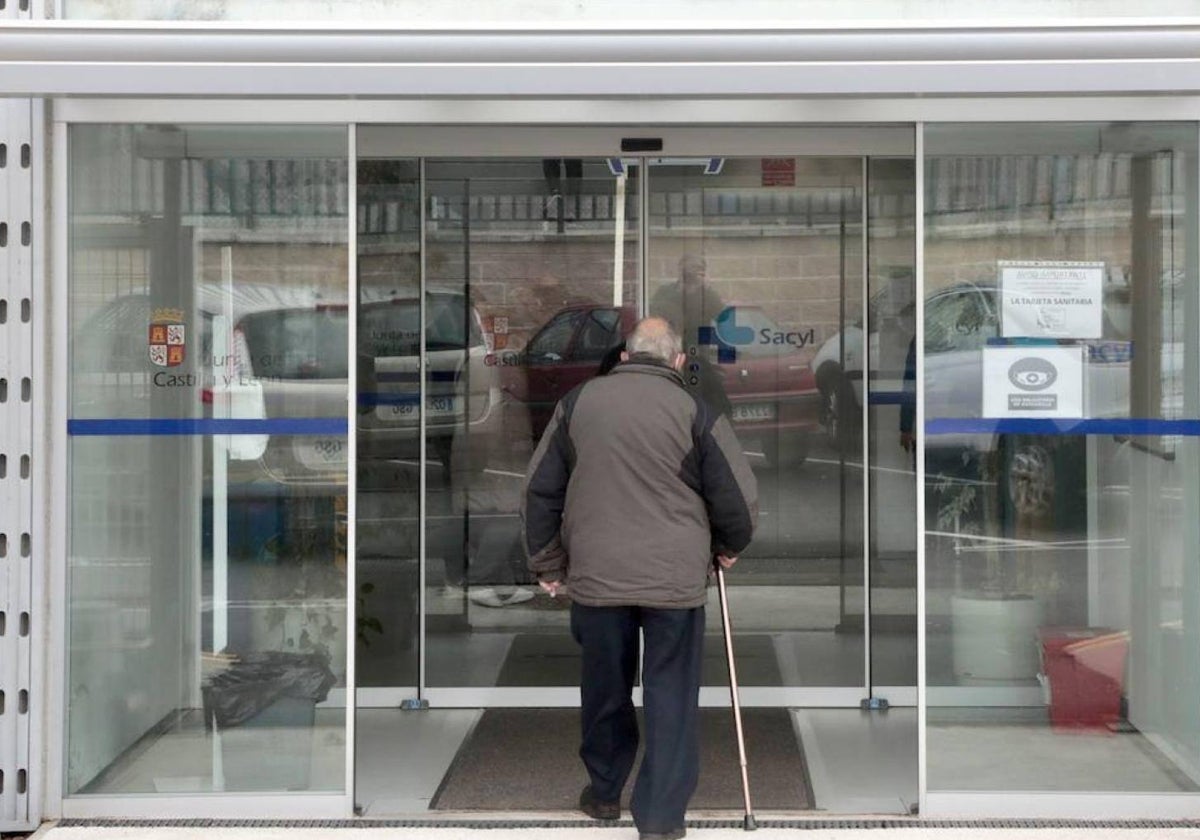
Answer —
641 144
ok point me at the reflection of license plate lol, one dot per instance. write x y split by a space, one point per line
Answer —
441 406
321 453
754 411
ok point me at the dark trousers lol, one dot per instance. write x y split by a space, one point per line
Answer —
674 648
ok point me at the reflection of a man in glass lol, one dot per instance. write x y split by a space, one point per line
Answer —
689 303
908 396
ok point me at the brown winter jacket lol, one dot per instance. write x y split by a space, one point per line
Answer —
634 487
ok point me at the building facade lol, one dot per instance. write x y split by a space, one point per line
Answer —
289 292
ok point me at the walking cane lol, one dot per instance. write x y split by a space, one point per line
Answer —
748 822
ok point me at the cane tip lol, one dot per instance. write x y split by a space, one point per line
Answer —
749 824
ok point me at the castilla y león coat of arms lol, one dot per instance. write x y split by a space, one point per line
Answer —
167 337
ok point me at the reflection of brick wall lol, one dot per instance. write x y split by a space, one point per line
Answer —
796 279
528 281
285 264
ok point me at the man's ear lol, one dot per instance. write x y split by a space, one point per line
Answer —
624 356
680 359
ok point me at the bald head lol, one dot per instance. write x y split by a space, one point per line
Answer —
654 337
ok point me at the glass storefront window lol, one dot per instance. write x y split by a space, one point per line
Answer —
208 389
1061 400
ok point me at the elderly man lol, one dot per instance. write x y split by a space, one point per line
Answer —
635 487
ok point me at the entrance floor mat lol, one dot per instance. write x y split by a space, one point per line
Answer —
527 760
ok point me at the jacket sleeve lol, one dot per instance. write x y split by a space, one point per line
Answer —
728 486
544 497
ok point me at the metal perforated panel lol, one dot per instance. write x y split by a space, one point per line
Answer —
18 548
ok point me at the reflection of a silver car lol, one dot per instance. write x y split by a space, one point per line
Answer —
462 390
284 355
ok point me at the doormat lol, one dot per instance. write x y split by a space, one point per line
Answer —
528 760
541 659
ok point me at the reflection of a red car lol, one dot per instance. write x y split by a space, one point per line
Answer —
773 401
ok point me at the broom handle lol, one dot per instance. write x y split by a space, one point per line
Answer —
733 688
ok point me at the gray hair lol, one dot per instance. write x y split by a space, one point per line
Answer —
654 337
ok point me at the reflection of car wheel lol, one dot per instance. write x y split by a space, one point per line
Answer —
786 452
841 414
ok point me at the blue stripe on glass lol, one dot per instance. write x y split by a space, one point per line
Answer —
890 398
1130 426
157 426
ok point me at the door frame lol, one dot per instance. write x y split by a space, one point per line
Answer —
491 117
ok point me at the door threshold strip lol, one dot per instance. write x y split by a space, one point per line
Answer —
801 823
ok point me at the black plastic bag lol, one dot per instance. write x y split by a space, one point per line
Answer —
257 680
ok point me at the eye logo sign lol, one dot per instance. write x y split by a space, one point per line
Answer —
1032 374
1042 380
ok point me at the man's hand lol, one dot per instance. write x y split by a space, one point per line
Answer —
553 587
726 561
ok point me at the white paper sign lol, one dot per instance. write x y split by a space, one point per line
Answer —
1052 299
1033 382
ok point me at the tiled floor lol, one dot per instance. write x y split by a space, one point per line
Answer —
1034 757
403 755
858 763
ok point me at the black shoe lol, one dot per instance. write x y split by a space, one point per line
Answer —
597 809
674 834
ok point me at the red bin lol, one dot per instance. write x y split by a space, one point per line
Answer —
1085 667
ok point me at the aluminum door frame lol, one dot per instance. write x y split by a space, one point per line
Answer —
749 111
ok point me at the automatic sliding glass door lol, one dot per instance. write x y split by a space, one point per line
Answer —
533 270
761 262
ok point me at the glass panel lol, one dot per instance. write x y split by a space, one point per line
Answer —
1061 397
207 587
682 11
891 317
389 340
759 263
532 277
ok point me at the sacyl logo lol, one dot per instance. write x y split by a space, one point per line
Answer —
729 331
1032 373
727 334
744 326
